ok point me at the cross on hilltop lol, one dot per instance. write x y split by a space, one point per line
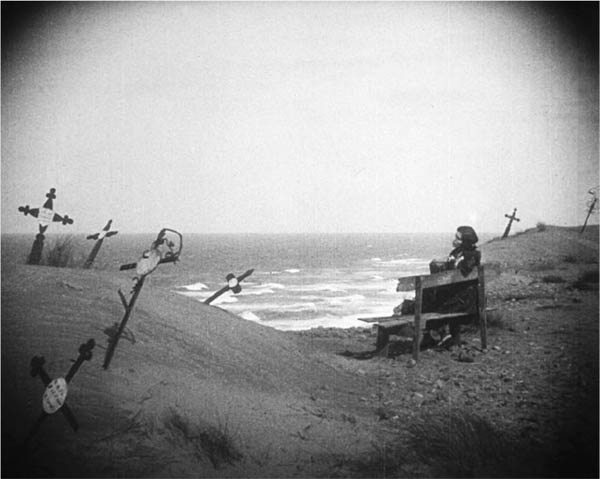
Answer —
511 218
45 215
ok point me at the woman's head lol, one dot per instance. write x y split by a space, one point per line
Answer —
465 237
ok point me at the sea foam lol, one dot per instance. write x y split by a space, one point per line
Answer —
195 287
320 322
331 287
289 307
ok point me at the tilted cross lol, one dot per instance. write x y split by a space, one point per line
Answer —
55 394
233 284
593 201
510 220
104 233
45 215
149 261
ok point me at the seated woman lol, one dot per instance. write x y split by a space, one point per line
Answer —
450 298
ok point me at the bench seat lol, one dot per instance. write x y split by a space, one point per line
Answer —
404 325
409 318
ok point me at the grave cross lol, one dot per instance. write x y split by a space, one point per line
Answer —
510 220
149 261
56 390
233 284
104 233
45 215
591 209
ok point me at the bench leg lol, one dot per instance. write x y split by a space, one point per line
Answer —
482 303
418 309
383 339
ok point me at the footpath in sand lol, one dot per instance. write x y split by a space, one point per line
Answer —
195 391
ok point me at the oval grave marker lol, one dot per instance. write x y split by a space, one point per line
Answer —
54 395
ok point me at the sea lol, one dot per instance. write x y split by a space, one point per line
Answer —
299 281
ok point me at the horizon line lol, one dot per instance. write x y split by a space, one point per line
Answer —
294 232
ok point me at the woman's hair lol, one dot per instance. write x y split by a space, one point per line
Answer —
467 235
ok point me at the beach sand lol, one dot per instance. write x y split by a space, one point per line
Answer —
193 390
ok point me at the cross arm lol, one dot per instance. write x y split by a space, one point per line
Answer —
37 369
64 219
245 275
29 211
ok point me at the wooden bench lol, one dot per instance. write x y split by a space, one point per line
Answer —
411 325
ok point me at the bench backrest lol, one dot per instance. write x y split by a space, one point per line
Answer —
454 276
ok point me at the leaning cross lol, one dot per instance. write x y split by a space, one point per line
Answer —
149 261
510 220
591 209
45 216
233 284
105 233
55 395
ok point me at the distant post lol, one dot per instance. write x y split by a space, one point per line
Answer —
55 395
45 216
233 284
591 209
511 218
104 233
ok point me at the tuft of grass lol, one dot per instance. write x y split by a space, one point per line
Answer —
458 443
540 226
207 440
450 442
383 460
61 253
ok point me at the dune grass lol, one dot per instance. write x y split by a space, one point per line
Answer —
450 443
214 442
61 253
458 443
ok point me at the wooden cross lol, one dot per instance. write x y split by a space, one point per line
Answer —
510 220
233 284
591 209
45 215
55 394
149 261
104 233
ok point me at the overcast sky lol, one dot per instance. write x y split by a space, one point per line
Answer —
299 117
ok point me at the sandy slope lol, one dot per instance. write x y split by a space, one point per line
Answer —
197 361
290 403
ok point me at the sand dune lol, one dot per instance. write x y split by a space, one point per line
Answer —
195 391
